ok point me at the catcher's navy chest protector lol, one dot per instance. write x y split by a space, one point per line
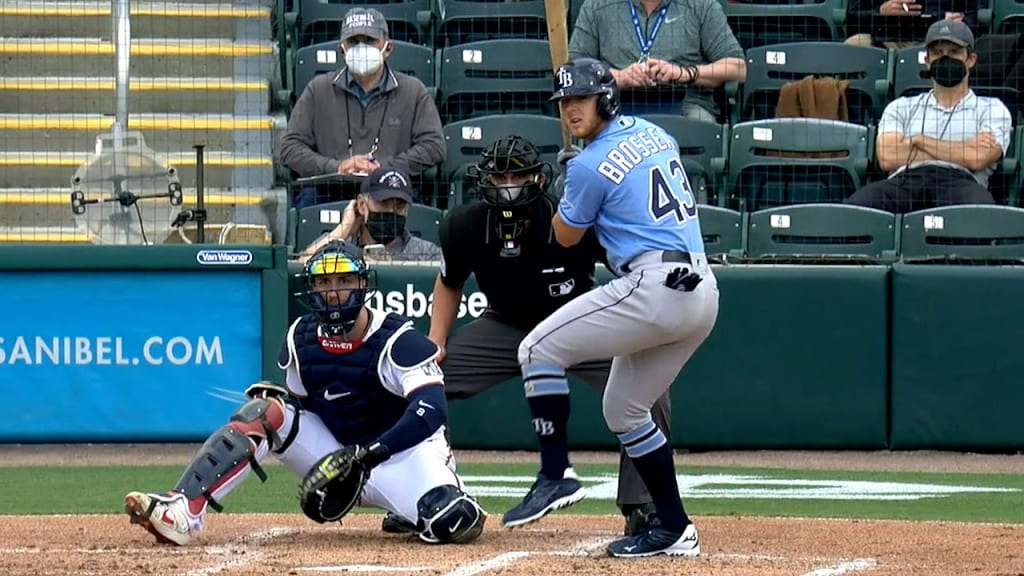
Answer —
345 389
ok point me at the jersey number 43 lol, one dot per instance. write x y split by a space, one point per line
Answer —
671 194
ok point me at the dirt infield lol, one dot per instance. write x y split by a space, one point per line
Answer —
265 544
257 544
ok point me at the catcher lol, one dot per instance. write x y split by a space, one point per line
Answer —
361 419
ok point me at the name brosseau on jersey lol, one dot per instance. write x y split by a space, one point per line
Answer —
631 151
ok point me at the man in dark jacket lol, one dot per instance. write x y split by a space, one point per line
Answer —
364 116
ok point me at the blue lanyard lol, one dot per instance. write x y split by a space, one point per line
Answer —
646 43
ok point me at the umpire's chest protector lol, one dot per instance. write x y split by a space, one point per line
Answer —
344 387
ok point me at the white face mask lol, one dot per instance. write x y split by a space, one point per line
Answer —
363 59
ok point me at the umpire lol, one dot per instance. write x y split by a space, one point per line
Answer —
506 240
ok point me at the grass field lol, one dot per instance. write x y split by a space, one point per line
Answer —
707 491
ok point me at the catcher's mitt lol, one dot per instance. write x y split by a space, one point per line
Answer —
334 484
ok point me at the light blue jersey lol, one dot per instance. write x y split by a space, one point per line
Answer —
629 183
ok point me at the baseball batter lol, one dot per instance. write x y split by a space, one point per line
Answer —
355 377
630 186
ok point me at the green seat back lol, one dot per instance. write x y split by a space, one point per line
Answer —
970 231
495 77
703 148
722 230
756 24
467 139
822 232
321 20
769 68
463 21
772 163
1007 16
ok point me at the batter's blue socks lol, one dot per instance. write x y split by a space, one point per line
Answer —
547 392
651 453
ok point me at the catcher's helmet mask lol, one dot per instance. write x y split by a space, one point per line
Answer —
588 77
337 257
512 205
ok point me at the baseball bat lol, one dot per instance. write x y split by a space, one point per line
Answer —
558 42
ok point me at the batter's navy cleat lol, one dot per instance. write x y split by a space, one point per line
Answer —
165 516
657 541
546 495
395 524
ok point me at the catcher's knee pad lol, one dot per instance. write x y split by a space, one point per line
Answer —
233 446
449 515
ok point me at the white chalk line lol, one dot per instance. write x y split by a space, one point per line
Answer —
375 568
844 567
240 549
500 561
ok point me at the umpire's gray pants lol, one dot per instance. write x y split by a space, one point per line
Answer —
482 354
649 330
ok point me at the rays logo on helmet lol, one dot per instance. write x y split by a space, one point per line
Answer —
564 77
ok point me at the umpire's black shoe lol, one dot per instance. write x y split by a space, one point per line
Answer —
657 541
640 519
395 524
545 496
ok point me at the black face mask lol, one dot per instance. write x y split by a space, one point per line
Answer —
948 71
385 226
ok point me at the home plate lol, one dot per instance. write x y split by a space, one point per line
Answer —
363 568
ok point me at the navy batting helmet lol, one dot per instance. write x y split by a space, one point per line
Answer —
586 77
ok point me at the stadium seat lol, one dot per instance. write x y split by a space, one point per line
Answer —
782 162
314 221
408 20
966 231
411 59
467 139
465 21
1006 181
759 23
495 77
722 230
703 148
909 79
769 68
1007 16
822 232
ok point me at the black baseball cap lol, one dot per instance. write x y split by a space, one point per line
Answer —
386 183
364 22
951 31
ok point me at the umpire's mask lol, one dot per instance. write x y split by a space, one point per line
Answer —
510 178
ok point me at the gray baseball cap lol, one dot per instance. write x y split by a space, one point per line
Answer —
364 22
956 32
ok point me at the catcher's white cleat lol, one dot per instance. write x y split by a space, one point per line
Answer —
165 516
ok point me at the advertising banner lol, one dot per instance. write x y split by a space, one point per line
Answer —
128 356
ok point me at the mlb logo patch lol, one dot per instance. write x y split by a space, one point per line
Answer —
562 288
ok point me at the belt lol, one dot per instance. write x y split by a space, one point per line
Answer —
667 256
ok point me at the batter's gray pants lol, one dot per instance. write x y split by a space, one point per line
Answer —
482 354
648 329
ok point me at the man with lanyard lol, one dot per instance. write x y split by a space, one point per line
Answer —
364 117
656 43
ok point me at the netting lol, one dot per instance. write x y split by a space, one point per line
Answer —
796 109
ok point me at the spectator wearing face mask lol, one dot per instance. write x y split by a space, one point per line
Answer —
363 117
941 146
378 216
